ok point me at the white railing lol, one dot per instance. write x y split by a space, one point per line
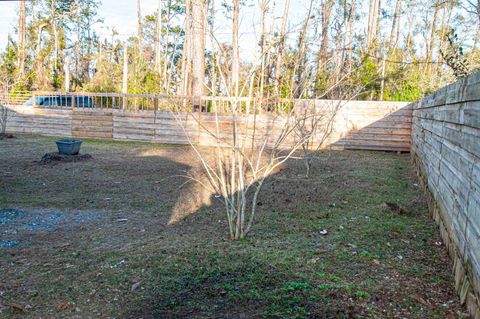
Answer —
15 98
154 102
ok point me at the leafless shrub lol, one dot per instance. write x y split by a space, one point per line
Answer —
3 113
248 148
250 143
315 125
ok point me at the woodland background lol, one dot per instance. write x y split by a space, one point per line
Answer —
390 50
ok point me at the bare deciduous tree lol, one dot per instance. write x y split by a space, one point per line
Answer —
248 148
315 125
236 170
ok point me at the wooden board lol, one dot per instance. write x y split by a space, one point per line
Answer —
358 124
446 153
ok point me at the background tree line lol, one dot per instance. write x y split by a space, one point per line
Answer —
393 49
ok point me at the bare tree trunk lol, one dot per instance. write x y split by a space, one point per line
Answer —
431 40
338 56
213 43
55 37
125 69
397 33
139 28
281 48
373 22
379 14
158 36
473 56
371 19
351 20
396 16
327 7
263 9
186 56
67 73
125 75
198 46
441 42
301 56
39 80
409 41
77 46
382 85
21 38
235 48
269 65
323 51
166 63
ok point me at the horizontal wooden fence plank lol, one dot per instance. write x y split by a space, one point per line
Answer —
357 124
446 152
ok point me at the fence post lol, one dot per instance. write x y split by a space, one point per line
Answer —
155 103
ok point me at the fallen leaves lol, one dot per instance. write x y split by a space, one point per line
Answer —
64 305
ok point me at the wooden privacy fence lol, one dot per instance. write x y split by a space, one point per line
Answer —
363 125
446 153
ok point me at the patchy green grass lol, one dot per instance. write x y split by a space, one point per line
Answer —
130 263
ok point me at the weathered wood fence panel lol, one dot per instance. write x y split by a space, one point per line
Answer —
376 126
43 122
92 123
178 128
356 125
134 126
446 152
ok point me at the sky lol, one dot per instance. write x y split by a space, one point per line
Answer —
122 14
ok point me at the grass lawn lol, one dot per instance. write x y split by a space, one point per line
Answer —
91 239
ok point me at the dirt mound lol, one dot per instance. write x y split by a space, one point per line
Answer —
54 158
393 208
5 136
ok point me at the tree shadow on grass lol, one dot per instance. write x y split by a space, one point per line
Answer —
242 279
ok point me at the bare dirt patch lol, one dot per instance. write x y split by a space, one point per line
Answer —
6 136
19 226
